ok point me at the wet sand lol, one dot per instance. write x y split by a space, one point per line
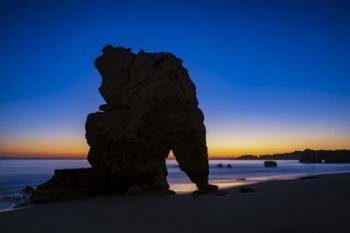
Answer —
318 204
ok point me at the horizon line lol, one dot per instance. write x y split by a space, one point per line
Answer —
75 156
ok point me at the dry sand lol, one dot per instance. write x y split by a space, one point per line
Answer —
314 205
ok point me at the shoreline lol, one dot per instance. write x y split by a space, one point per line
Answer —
319 203
223 185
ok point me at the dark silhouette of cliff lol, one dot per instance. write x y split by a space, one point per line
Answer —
151 109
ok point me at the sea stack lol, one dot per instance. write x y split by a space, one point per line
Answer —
270 163
151 108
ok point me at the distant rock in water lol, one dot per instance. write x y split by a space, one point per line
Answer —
325 156
270 164
151 108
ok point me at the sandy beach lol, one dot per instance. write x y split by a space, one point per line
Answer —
317 204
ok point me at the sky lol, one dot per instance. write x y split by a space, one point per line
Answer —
271 76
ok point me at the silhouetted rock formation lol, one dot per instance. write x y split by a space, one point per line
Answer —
151 108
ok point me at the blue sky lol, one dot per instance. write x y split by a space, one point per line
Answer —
271 75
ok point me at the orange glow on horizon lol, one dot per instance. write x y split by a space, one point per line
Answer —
46 147
80 150
221 143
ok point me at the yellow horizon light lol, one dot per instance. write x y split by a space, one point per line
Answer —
219 145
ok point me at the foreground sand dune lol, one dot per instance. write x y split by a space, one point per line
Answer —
321 204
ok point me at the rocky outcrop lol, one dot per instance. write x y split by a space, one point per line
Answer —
151 108
73 183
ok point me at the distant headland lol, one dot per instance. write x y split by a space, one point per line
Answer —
306 156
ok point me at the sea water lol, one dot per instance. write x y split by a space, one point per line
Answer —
15 174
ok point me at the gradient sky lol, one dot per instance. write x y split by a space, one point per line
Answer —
272 76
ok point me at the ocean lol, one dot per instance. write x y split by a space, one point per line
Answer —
15 174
